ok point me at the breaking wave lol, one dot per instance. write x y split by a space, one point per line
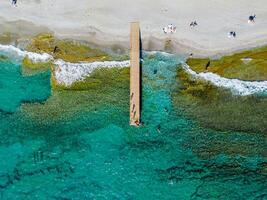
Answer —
67 73
237 87
17 54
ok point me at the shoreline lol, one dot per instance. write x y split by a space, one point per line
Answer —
149 43
107 25
67 73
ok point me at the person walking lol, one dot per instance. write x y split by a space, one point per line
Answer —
251 18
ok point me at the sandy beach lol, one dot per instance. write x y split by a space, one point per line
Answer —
106 22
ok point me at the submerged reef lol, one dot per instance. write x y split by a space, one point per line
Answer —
218 108
45 54
30 67
72 61
99 78
103 86
250 65
87 86
66 74
78 143
3 58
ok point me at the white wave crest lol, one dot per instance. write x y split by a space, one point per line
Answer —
67 73
237 87
14 52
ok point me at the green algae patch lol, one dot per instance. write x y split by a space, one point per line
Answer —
29 67
102 87
98 79
207 144
42 43
247 65
224 122
3 58
66 50
217 108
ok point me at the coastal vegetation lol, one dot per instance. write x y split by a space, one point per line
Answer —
217 108
250 65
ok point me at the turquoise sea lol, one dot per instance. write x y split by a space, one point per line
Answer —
83 148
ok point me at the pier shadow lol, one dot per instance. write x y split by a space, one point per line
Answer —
141 74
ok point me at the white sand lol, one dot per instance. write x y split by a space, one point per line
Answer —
107 22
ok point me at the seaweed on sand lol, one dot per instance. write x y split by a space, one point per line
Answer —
66 50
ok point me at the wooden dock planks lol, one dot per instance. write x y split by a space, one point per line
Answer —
135 74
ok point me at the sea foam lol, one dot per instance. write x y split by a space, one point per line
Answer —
237 87
18 54
67 73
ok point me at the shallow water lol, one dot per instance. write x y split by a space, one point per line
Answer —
91 152
15 88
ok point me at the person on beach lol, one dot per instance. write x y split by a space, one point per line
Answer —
173 29
165 30
207 65
169 29
193 24
55 49
251 18
14 2
232 34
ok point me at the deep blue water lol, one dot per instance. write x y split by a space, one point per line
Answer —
94 154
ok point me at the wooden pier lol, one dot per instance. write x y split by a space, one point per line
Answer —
135 88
